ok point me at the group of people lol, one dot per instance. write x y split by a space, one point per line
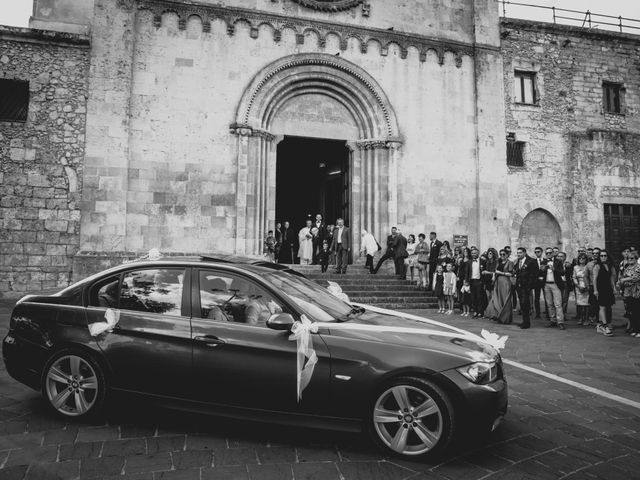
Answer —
314 244
493 283
489 284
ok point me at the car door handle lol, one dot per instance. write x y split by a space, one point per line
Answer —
210 340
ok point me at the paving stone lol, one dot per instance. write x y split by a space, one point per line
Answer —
460 470
96 467
165 444
373 471
192 458
239 472
276 471
26 456
94 434
80 450
46 471
148 463
317 454
205 442
316 471
190 474
13 473
20 440
57 437
136 431
234 456
276 454
124 448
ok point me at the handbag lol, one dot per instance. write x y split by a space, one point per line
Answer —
379 246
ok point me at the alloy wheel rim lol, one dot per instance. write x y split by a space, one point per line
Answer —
407 420
72 385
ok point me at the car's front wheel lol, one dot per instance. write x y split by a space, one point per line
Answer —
73 384
412 416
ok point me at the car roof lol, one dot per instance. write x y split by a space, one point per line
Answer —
254 265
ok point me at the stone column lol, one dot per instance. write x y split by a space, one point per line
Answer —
375 187
255 187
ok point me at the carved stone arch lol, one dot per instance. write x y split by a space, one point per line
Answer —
374 154
540 224
336 74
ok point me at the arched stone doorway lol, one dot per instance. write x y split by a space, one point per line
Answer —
540 229
281 100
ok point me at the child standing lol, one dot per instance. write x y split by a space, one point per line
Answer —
270 247
438 287
324 256
450 281
465 292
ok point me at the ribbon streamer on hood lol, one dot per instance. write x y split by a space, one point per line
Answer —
302 330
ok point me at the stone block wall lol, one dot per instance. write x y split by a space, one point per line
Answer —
41 159
577 156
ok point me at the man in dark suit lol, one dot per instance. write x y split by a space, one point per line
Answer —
341 245
288 243
553 286
399 254
434 253
319 237
474 274
391 240
538 288
526 273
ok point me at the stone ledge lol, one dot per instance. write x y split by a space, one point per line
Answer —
44 37
507 24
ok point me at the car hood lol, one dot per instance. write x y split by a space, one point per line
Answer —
422 335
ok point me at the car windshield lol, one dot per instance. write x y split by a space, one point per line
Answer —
316 302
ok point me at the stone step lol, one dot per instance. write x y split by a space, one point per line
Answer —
385 288
351 276
386 299
405 306
385 293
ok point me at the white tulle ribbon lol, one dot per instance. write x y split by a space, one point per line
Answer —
301 332
111 316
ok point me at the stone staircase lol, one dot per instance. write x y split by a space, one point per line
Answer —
383 290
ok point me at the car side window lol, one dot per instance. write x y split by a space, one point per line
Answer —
104 293
231 298
157 290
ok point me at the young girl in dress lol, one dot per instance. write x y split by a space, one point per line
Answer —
449 288
465 291
438 287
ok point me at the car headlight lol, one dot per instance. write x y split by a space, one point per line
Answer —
480 372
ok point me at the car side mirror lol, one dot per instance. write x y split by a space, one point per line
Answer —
281 321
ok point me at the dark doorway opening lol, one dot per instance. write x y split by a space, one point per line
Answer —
621 228
312 176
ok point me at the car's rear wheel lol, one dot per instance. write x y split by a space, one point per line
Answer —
73 384
412 417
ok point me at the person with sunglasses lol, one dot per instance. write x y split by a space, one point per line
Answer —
554 283
604 286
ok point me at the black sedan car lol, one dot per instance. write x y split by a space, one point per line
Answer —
213 335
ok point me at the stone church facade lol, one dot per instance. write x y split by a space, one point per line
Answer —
398 108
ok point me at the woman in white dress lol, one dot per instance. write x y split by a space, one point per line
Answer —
305 237
369 247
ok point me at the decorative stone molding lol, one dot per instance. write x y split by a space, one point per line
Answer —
300 27
344 78
247 131
371 144
329 5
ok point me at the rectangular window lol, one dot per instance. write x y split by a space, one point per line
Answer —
515 153
611 97
14 100
154 290
525 88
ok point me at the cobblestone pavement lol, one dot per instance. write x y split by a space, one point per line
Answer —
553 430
